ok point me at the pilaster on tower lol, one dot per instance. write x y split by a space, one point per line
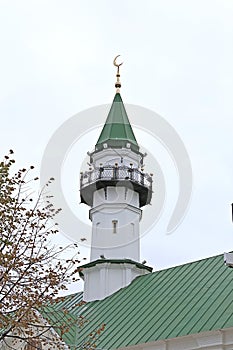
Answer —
116 189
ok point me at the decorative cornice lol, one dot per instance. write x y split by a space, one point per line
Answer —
113 262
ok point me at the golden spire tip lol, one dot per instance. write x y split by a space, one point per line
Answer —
118 83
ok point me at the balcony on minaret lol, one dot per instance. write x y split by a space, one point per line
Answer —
124 176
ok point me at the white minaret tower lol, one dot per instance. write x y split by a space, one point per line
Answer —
115 189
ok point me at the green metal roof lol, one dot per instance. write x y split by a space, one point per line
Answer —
56 316
117 130
178 301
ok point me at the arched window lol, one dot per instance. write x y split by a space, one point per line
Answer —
114 226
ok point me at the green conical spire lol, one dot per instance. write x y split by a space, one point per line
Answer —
117 131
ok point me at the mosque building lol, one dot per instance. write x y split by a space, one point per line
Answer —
187 307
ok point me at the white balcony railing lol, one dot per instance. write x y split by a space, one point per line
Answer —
115 173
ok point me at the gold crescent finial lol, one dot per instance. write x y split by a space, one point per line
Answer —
115 63
118 83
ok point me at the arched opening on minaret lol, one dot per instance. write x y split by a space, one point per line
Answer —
114 225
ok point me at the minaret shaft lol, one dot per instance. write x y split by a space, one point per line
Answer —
115 224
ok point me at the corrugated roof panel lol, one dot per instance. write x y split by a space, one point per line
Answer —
192 306
172 296
183 300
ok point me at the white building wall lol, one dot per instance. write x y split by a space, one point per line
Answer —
115 224
44 332
122 156
214 340
104 279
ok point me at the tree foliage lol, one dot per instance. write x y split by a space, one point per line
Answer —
32 272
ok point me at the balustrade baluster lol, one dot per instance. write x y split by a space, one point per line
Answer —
142 179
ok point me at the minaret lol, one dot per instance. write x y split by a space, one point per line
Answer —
116 189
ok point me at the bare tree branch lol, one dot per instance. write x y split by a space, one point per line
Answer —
32 271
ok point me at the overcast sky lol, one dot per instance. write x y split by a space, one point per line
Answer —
56 60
